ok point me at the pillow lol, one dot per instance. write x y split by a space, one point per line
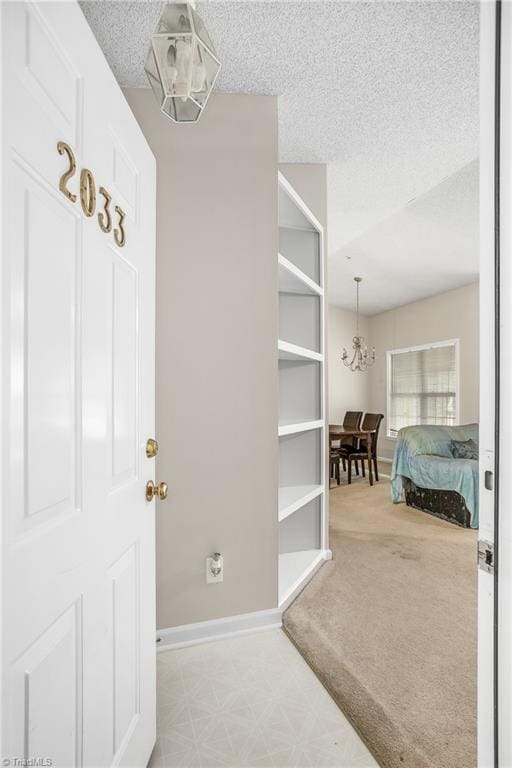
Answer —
464 449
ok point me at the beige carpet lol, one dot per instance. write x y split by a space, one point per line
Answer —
389 626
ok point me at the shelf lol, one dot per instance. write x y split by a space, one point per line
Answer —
294 567
293 497
302 426
301 509
293 211
294 280
288 351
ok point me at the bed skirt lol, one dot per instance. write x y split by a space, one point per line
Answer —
448 505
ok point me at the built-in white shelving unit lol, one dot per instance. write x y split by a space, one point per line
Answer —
303 542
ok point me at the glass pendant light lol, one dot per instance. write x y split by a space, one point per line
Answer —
181 64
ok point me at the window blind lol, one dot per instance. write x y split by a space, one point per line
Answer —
423 387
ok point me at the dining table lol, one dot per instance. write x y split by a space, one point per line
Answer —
339 432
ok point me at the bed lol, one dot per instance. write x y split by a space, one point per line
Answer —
435 469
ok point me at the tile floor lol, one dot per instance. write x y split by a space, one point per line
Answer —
249 702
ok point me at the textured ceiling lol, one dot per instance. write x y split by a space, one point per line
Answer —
385 93
427 247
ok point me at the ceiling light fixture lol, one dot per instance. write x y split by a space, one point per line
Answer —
181 64
361 358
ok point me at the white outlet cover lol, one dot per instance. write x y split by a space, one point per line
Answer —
210 578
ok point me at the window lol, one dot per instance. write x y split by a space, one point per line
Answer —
423 385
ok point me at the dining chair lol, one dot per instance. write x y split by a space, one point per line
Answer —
334 462
351 420
362 452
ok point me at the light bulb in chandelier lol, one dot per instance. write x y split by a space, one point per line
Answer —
186 76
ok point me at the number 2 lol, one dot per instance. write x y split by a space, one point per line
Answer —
62 149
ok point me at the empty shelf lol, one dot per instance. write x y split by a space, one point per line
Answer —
294 280
289 351
302 426
294 567
293 497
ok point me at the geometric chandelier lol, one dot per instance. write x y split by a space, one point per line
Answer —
361 358
181 64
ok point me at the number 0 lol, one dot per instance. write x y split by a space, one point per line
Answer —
87 192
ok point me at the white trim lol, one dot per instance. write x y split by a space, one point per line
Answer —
419 347
383 459
303 578
299 202
303 426
218 629
289 351
433 345
298 274
486 616
285 510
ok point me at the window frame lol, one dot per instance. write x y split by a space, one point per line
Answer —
418 348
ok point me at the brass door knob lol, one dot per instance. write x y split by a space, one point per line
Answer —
154 491
151 448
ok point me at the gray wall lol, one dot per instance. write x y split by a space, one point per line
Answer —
450 315
216 354
348 390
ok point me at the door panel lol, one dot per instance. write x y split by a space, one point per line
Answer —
125 620
78 654
50 392
51 663
44 403
124 371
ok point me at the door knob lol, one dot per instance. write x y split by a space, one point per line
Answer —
151 448
154 491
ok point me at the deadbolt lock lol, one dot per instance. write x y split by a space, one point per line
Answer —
151 448
154 491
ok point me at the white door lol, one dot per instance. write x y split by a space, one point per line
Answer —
78 659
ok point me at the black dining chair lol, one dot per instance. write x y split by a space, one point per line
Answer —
334 463
352 420
362 452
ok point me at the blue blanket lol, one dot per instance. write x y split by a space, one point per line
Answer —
423 454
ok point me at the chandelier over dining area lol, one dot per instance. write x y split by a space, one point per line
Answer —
361 358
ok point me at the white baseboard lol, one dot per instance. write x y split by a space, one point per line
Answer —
218 629
385 461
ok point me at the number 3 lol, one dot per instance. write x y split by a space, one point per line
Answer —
119 233
104 217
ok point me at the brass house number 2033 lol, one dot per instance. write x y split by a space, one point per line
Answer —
88 196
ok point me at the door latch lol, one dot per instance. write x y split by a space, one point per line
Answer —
486 555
